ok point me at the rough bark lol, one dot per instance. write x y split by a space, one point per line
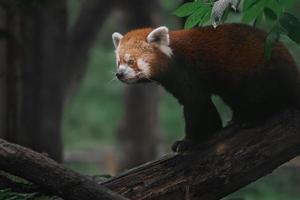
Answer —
50 175
234 158
140 101
230 160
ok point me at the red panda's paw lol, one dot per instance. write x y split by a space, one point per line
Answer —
182 146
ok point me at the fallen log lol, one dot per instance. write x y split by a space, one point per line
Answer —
232 159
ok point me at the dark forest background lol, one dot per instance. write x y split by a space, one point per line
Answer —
58 94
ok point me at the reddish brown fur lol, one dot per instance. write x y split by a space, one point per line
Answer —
230 48
227 61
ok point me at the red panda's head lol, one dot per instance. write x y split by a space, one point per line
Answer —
141 54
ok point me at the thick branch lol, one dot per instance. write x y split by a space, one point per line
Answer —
230 161
51 176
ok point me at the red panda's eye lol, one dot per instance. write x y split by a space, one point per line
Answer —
130 62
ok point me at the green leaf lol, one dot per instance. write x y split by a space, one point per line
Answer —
225 15
249 3
289 21
255 10
286 3
295 36
270 14
206 17
292 25
258 19
271 40
193 20
197 16
187 9
274 6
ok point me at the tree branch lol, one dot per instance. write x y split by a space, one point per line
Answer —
234 158
51 176
230 160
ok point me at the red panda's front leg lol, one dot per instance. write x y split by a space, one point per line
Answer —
201 122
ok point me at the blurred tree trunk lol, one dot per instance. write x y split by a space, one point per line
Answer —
3 42
12 76
42 58
35 55
139 132
44 29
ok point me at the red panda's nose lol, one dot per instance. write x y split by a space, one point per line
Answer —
119 75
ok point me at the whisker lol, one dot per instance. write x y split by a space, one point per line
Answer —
113 79
113 72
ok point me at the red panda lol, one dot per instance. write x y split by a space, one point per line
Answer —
194 64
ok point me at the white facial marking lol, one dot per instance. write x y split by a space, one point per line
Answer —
128 72
144 66
127 57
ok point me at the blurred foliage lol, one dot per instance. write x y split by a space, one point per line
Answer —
93 113
7 194
169 5
283 184
74 9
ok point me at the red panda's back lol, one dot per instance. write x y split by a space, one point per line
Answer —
232 57
234 48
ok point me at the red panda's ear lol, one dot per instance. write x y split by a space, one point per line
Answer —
116 38
159 36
